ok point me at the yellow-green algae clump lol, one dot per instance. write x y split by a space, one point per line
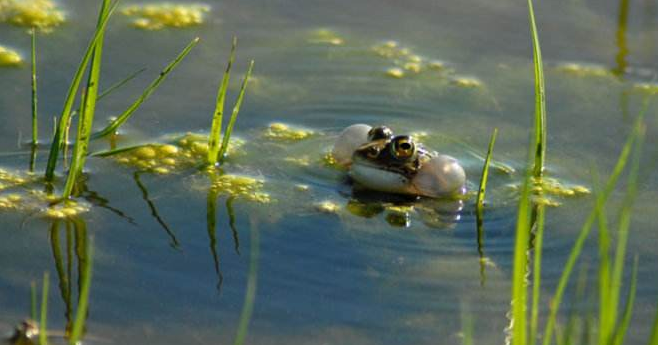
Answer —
184 152
546 189
41 14
20 192
240 186
280 131
9 57
405 61
158 16
584 70
325 36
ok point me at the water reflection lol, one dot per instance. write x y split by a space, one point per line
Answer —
173 241
211 221
74 249
399 209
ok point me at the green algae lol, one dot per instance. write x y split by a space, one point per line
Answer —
241 187
42 14
283 132
9 57
325 36
182 152
157 16
584 70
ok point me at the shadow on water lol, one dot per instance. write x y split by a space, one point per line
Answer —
211 221
137 176
74 249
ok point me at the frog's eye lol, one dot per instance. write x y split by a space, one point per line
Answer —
403 147
380 132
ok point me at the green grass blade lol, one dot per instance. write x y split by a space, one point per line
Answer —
540 99
85 122
250 295
628 310
605 326
120 83
218 115
485 170
601 200
33 300
43 326
121 119
83 302
33 56
519 288
58 144
536 275
624 225
234 114
654 332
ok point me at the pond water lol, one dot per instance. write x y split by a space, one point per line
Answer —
335 265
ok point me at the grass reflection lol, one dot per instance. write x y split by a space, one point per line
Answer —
137 177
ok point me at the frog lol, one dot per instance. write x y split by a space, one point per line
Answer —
377 159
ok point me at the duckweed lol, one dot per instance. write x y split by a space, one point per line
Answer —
395 72
41 14
325 36
327 206
241 186
166 15
466 82
280 131
584 70
9 57
184 152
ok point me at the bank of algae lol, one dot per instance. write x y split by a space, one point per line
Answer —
157 16
41 14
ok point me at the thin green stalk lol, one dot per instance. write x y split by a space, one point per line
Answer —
605 323
250 295
485 171
519 288
83 302
58 144
620 332
121 119
654 332
234 114
33 300
43 327
467 329
601 199
33 56
216 128
540 100
536 276
624 225
88 109
120 83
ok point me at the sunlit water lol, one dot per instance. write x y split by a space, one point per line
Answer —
344 276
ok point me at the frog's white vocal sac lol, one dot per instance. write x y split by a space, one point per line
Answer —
381 161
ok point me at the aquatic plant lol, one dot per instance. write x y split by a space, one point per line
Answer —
9 57
216 151
33 59
41 14
156 16
485 171
540 100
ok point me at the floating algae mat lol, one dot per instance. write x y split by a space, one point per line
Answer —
187 151
158 16
42 14
23 192
280 131
9 57
325 36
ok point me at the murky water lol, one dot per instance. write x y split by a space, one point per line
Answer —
336 266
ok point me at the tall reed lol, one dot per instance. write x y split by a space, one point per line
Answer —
88 108
58 142
33 59
540 100
43 333
217 151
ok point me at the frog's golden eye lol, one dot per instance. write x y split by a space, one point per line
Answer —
403 147
380 132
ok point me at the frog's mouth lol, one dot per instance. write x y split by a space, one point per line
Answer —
378 177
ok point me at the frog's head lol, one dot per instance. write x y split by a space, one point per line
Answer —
397 164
